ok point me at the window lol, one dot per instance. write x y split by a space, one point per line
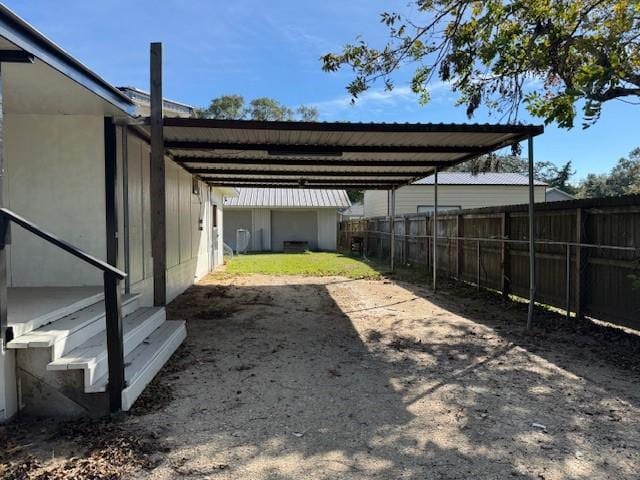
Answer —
215 215
441 208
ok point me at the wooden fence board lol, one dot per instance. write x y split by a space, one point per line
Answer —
604 282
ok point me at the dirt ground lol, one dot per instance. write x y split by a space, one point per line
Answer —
332 378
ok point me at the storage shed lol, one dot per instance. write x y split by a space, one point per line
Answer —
278 218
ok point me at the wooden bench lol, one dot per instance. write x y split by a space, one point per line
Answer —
295 246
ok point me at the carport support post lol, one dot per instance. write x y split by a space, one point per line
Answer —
532 247
392 228
435 229
158 200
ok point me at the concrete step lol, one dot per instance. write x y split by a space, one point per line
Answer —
146 360
72 330
91 356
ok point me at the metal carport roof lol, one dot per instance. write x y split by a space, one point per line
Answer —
332 155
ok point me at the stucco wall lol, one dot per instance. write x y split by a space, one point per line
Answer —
465 196
55 178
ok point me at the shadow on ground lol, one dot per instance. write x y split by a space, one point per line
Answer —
293 377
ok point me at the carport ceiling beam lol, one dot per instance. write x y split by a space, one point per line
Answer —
354 181
303 173
338 186
286 149
304 162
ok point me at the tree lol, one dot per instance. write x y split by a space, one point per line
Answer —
226 107
356 196
551 55
265 108
308 114
232 107
548 172
623 179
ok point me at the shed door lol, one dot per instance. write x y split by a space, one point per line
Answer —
294 225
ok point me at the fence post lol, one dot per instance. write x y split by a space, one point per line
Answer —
568 281
365 240
581 262
478 264
506 254
407 232
460 246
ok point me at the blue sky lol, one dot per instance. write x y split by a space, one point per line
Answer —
257 48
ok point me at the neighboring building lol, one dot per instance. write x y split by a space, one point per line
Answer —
274 216
554 194
76 164
353 212
456 191
170 108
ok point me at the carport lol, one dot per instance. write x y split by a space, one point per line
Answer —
333 155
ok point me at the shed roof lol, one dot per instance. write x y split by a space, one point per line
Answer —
468 178
288 197
331 155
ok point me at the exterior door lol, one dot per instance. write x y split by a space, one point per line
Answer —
213 238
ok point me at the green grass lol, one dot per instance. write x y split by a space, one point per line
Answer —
319 264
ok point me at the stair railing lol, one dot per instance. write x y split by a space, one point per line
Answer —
112 299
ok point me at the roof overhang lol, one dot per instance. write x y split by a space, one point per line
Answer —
337 155
15 33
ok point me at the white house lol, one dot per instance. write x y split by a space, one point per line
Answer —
456 191
275 216
76 164
555 194
171 108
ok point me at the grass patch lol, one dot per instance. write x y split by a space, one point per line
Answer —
320 264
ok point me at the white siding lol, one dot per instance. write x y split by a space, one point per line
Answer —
188 246
261 219
327 229
375 203
55 170
261 231
465 196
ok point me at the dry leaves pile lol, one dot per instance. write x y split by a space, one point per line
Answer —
109 451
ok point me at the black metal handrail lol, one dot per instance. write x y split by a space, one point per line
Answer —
60 243
112 300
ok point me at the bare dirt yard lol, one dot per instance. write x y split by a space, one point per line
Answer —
296 377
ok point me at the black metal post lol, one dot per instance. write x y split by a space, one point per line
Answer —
435 229
113 306
392 229
115 344
532 244
125 206
158 186
3 234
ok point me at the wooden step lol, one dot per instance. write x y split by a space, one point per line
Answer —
91 356
72 330
146 360
31 308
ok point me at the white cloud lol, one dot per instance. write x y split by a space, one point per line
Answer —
373 98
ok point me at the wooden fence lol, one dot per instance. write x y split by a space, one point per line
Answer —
588 251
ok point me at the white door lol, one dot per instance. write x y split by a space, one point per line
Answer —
213 238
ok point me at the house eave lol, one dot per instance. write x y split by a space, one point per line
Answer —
27 38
